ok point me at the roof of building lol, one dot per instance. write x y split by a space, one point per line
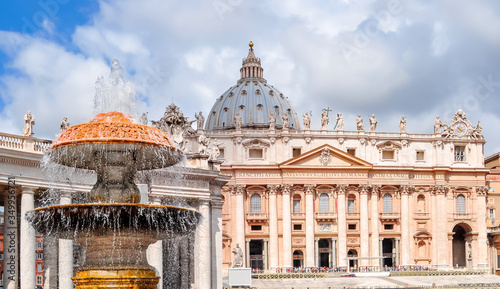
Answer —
253 99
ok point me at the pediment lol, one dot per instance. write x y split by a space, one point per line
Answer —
326 156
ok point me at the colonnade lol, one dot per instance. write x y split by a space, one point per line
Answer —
367 238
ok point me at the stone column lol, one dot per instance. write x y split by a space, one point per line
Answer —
397 252
363 223
310 249
10 239
265 253
316 252
442 235
204 258
434 221
238 192
287 226
155 250
341 221
405 226
333 260
374 224
482 239
65 252
247 253
273 227
27 250
381 252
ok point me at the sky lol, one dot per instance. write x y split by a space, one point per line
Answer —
390 58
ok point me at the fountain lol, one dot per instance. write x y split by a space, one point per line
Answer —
114 229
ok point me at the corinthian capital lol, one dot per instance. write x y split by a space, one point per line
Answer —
482 190
375 189
341 188
363 189
273 189
440 189
238 189
286 188
406 189
309 188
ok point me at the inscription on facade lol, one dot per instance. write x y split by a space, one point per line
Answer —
323 175
258 175
389 176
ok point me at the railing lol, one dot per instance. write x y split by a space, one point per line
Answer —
23 143
462 216
298 215
257 216
389 216
420 215
352 215
326 216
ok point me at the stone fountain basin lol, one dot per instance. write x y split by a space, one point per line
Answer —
75 221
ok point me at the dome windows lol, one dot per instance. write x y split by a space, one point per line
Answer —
231 94
244 92
271 92
260 107
257 92
242 107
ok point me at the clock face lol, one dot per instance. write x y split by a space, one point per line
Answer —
460 129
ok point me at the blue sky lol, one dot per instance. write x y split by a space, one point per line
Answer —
390 58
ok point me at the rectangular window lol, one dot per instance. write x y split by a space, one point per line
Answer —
492 213
255 153
459 154
388 155
352 152
297 227
39 245
256 228
296 206
39 268
221 156
39 256
296 152
39 280
388 226
350 206
420 156
352 226
1 256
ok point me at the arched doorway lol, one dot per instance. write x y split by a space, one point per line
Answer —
459 250
352 253
298 259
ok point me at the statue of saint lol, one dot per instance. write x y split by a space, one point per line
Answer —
238 120
238 257
324 119
29 122
359 123
307 121
438 124
201 120
202 144
373 123
64 124
144 119
272 121
215 150
340 122
402 125
285 121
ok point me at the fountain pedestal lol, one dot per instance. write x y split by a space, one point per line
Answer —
116 278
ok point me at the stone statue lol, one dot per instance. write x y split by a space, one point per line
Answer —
64 124
203 142
238 257
469 251
373 123
307 120
438 124
201 121
215 150
238 120
402 124
175 124
272 121
359 123
477 132
285 120
324 120
340 122
29 122
144 119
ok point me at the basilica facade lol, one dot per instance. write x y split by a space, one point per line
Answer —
300 197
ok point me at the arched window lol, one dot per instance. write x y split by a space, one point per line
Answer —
255 203
460 204
387 199
351 204
324 203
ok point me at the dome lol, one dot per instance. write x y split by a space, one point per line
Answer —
253 99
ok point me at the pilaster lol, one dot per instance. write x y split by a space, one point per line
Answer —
342 229
363 223
310 248
273 226
287 226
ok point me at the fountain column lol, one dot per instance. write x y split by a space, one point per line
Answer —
204 258
65 252
27 250
155 255
10 240
287 227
